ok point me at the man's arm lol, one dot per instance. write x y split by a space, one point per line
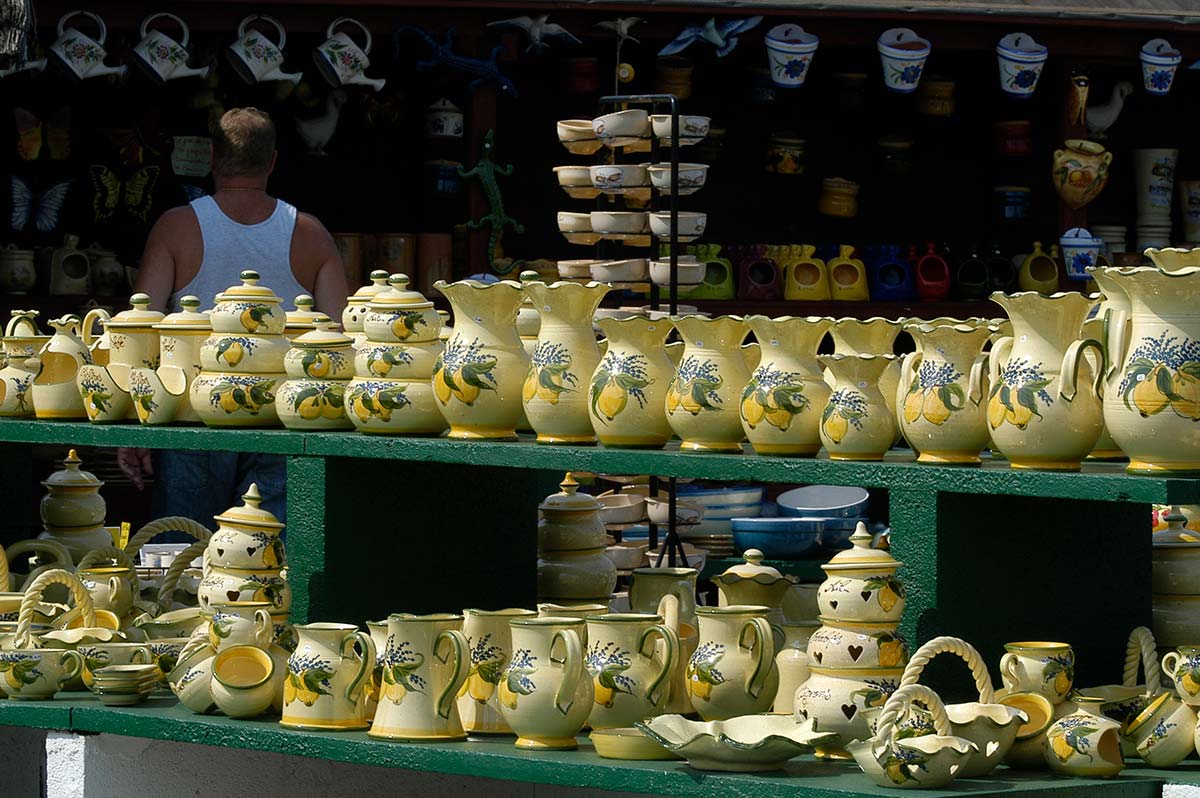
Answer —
156 275
315 253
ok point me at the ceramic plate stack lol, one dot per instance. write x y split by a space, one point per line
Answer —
124 685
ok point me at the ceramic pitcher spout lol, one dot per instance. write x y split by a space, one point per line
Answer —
564 302
490 303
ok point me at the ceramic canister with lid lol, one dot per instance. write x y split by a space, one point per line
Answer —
73 509
751 582
861 585
572 566
159 394
355 312
391 392
318 365
245 557
132 343
304 318
21 341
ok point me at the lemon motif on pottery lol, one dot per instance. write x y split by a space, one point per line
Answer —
307 680
607 665
399 664
549 373
891 651
846 408
252 317
616 379
516 680
405 324
462 372
694 387
1015 396
487 663
702 674
773 395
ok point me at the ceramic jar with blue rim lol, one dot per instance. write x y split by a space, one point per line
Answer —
1159 62
790 50
903 55
1080 249
1021 60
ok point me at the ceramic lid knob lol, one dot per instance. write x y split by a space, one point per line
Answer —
862 554
304 302
250 513
250 277
379 277
529 276
71 476
140 301
189 303
568 500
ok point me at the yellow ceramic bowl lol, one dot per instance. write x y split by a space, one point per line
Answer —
243 354
628 743
242 683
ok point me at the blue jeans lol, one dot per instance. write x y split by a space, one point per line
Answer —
200 485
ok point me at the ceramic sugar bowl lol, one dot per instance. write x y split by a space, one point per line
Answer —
320 363
248 308
862 586
399 315
355 312
752 582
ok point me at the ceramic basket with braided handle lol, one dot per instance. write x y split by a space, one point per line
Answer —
33 596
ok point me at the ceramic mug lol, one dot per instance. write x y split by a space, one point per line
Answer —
255 57
341 61
1039 667
240 623
1183 666
80 53
242 683
109 589
101 655
191 678
162 57
37 673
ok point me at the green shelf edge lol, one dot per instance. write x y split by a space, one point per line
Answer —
1097 481
495 757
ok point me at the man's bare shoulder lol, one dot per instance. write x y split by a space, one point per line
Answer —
177 221
309 230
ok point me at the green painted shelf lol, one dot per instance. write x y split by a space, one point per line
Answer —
495 757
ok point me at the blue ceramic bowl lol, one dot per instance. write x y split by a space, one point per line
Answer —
779 538
824 501
836 532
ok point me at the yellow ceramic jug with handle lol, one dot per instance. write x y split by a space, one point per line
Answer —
425 664
327 676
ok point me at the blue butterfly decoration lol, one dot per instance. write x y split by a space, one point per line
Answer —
42 209
722 36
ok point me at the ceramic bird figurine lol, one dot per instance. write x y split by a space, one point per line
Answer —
1077 111
317 132
723 36
621 27
1101 117
540 30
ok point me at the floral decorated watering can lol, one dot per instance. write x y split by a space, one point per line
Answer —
341 60
82 55
161 56
255 57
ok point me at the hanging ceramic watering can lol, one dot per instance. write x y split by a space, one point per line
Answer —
255 57
163 58
341 60
81 54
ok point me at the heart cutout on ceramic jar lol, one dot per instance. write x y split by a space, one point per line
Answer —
220 552
833 604
250 550
818 656
233 594
849 711
866 595
855 652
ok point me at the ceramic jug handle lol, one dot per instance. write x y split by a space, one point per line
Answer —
671 644
161 14
89 322
72 670
351 21
460 650
572 668
908 371
1067 386
999 354
143 657
366 660
1008 671
1173 657
764 654
977 384
265 628
1115 324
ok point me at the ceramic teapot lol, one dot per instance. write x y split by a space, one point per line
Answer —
159 396
133 342
54 393
21 341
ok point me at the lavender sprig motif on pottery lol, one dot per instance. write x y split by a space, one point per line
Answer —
487 665
934 394
702 674
607 665
516 680
618 378
462 371
775 396
695 387
846 408
549 373
399 664
19 668
1014 397
308 678
96 397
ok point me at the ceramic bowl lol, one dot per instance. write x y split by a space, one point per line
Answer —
627 555
622 508
692 129
578 137
573 176
242 684
574 222
1026 750
734 496
787 538
659 511
689 272
616 176
622 128
941 757
622 222
619 271
397 361
235 400
691 224
628 744
244 354
575 269
824 501
691 177
744 744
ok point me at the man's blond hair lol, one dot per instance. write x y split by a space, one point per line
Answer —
243 143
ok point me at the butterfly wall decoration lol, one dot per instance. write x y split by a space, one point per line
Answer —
34 134
112 192
41 210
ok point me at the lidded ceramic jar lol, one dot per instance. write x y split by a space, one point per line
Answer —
391 392
304 318
355 312
248 308
751 582
245 558
133 342
320 363
861 584
572 566
73 509
159 395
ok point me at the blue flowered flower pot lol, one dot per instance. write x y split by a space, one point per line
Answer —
790 50
1080 250
1021 60
903 54
1159 62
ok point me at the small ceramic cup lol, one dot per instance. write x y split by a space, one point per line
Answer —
242 683
1159 62
903 54
36 674
1039 667
1163 732
109 589
1183 666
240 623
102 655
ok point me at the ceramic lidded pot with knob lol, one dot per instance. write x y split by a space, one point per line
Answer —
73 509
247 537
248 308
752 582
572 566
159 395
133 342
304 318
861 585
319 364
355 312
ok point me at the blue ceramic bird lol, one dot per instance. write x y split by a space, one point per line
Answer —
483 71
722 36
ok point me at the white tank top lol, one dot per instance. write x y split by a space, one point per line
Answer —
230 247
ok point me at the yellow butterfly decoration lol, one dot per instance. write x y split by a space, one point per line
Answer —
135 193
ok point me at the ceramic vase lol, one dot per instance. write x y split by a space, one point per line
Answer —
782 402
1084 743
555 392
631 680
478 378
940 394
326 681
856 423
1154 184
545 690
732 671
489 640
874 336
703 398
1153 397
790 50
425 663
1080 171
793 664
628 390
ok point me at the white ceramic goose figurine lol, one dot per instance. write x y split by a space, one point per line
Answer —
1101 117
317 131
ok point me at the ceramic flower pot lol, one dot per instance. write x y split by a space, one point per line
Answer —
477 379
1159 62
1044 401
732 671
425 664
545 691
940 393
1039 667
555 391
837 698
1021 60
1084 743
903 54
705 392
856 423
489 640
248 308
242 681
1080 252
627 391
1080 171
326 677
790 50
630 679
781 403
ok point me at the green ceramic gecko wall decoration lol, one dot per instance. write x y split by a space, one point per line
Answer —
485 171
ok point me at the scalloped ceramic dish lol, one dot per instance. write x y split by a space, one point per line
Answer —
628 744
739 745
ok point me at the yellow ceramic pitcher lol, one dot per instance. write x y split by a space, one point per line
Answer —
940 393
703 398
425 664
628 390
781 404
324 687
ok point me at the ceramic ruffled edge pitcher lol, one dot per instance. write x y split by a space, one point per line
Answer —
628 390
782 402
856 422
704 396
